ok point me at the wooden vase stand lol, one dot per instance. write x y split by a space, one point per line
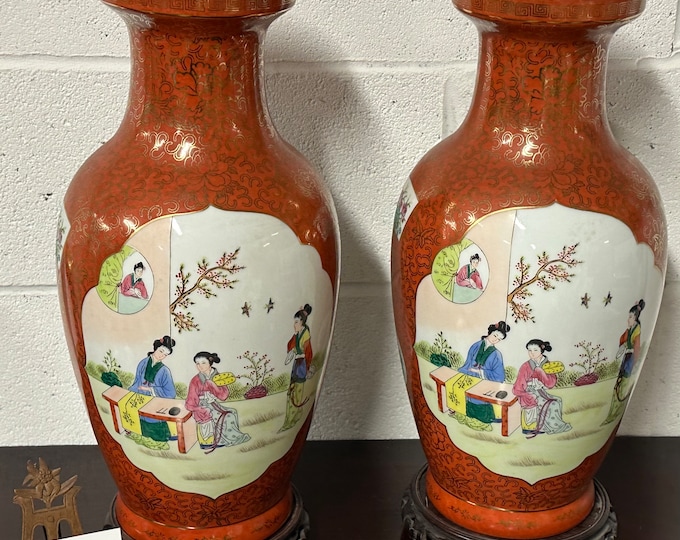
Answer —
421 521
296 526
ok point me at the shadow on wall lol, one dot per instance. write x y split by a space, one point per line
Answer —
644 113
324 115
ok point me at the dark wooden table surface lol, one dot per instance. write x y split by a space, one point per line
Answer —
353 489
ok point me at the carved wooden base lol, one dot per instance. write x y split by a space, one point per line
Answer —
422 522
295 528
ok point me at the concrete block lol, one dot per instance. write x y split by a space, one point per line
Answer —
364 390
54 120
650 35
644 112
363 89
426 31
40 403
63 28
365 131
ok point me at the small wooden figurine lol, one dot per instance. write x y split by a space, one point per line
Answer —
45 486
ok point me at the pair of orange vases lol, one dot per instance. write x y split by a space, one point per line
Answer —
198 261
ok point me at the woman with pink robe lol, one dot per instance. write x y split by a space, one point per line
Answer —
217 425
468 275
541 411
132 284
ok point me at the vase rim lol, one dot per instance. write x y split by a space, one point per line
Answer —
204 8
553 12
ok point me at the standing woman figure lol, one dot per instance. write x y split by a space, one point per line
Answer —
300 354
629 343
629 354
629 350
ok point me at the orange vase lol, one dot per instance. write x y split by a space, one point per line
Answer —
198 272
528 262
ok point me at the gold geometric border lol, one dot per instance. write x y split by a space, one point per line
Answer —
209 8
553 12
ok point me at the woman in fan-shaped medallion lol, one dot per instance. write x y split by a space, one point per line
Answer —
125 282
460 271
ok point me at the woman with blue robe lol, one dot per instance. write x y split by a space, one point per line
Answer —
153 378
485 362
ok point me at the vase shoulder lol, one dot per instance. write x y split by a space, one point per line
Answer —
196 133
503 170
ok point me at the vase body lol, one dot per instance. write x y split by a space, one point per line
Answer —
198 270
528 263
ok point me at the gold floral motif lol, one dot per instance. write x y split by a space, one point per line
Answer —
183 147
521 148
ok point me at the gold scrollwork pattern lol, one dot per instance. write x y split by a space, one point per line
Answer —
182 147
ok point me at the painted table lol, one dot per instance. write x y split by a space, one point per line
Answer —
168 410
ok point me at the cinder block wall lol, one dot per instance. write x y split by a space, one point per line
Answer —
363 88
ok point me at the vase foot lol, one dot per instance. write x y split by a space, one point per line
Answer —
421 521
296 527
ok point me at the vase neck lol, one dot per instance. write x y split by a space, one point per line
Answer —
197 75
553 12
204 8
541 79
